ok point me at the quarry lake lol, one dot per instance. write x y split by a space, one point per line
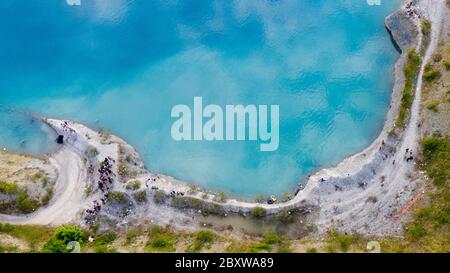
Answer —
122 65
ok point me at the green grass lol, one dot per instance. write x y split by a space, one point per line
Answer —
8 188
436 159
447 65
132 235
429 229
118 197
25 204
33 235
271 238
140 196
258 247
47 197
410 70
159 197
426 31
432 74
311 250
101 243
160 240
437 57
7 248
433 106
341 242
221 197
258 212
133 185
203 238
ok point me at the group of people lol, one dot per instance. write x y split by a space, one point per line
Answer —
409 155
412 10
106 175
105 184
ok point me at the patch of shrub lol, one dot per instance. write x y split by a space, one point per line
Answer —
436 158
47 197
203 238
221 197
258 247
159 197
118 198
342 241
258 212
133 185
160 240
62 236
272 238
415 232
447 65
140 196
433 106
437 57
311 250
432 74
410 70
8 188
30 233
25 204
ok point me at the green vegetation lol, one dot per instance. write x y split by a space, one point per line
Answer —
447 65
140 196
160 240
159 197
258 247
426 31
8 188
33 235
133 185
429 230
431 73
311 250
122 170
258 212
436 159
433 106
221 197
437 57
272 239
203 238
7 248
93 152
132 235
47 197
410 70
342 242
62 236
25 204
102 243
194 203
118 198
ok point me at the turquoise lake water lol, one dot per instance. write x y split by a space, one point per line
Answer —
122 65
